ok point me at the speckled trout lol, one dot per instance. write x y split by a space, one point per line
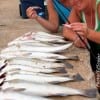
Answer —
39 55
13 95
41 78
44 63
29 48
48 89
32 69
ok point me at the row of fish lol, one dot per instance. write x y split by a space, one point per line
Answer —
27 64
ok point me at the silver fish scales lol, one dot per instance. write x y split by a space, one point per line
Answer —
46 89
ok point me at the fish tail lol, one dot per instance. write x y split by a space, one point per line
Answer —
91 93
78 77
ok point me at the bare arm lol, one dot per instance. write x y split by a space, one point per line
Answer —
83 30
52 23
93 36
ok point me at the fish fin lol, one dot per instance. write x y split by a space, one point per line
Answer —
78 77
59 60
3 66
65 75
7 89
61 94
68 65
91 93
54 82
13 81
2 82
76 58
62 70
20 89
3 75
58 42
6 61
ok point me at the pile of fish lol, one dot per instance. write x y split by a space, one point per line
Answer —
28 63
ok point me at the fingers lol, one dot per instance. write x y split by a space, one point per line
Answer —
74 26
79 27
31 13
79 43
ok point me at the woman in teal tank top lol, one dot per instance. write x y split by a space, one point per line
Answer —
85 20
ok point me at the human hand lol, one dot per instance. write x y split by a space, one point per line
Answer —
81 28
79 43
31 12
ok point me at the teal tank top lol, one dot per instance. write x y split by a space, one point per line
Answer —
62 11
97 26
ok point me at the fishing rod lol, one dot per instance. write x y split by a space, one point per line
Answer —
85 43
